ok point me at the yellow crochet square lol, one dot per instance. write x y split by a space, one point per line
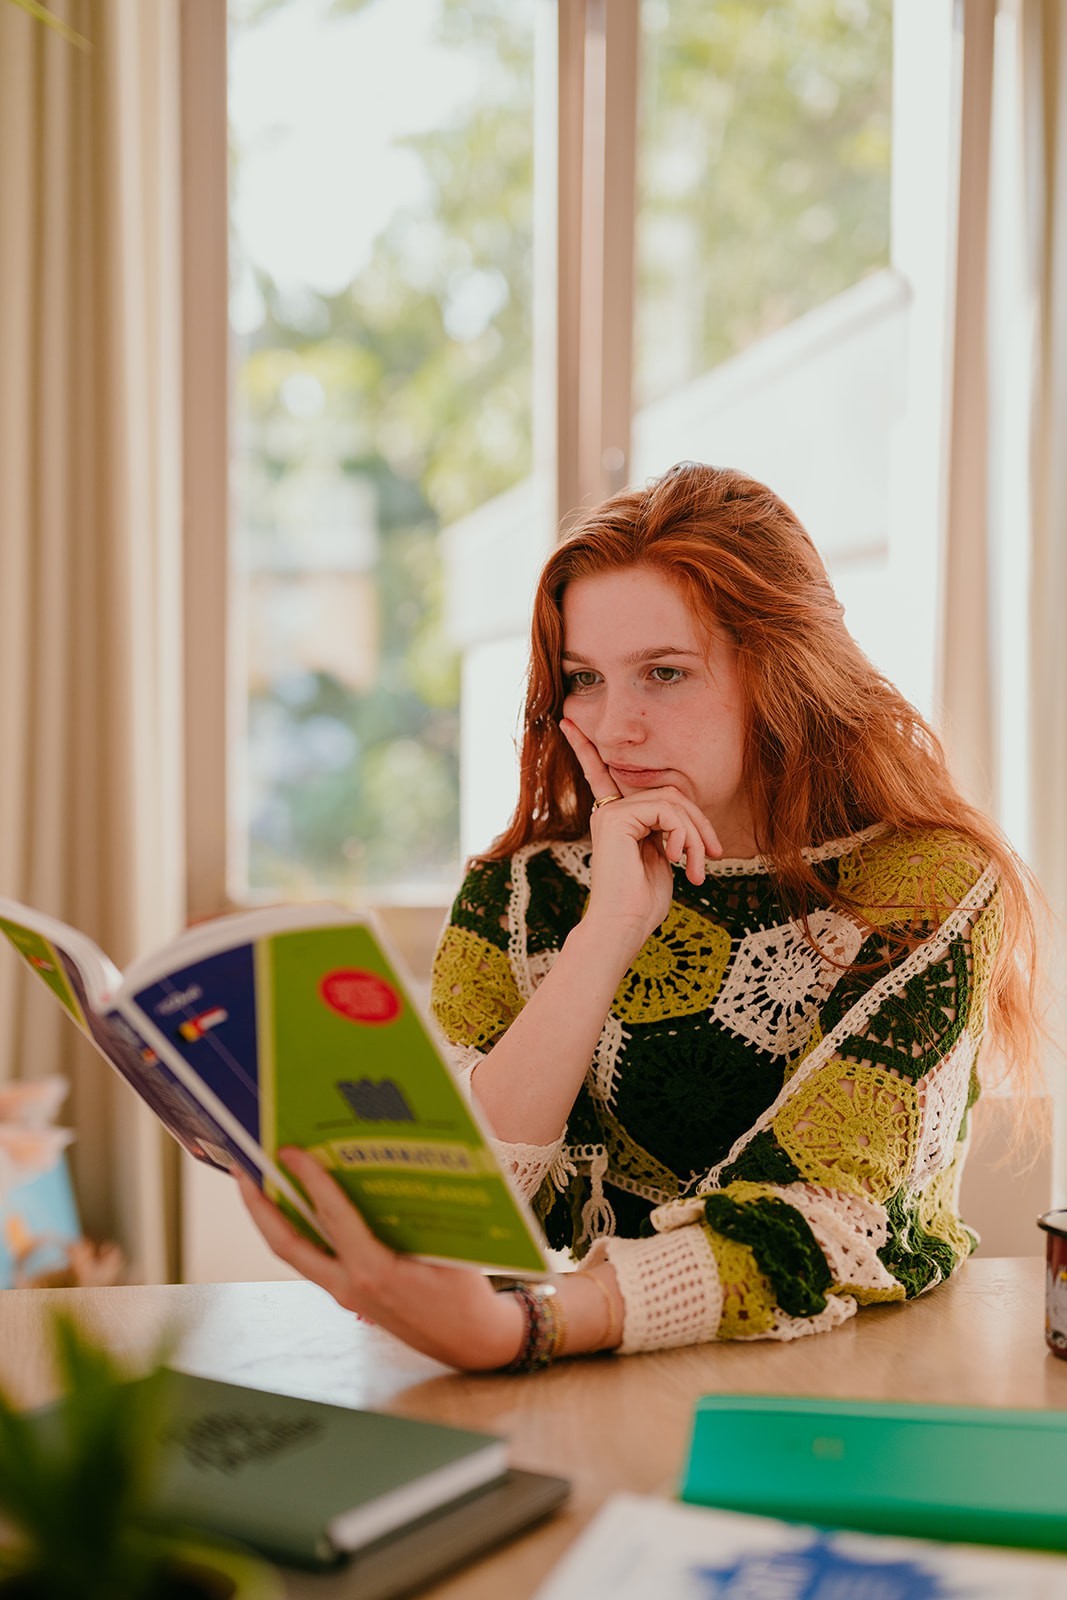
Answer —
985 941
853 1128
923 875
747 1297
473 994
677 972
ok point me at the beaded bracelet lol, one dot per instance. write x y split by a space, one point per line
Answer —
543 1336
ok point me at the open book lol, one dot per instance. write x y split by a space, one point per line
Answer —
637 1546
292 1025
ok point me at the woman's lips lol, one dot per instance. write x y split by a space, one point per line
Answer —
640 777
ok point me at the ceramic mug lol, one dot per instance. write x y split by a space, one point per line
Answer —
1055 1226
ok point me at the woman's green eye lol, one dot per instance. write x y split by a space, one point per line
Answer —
668 674
580 680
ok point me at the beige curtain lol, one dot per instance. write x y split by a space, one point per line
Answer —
1044 69
965 690
1006 511
90 506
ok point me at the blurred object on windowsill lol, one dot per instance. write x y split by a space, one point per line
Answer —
41 1243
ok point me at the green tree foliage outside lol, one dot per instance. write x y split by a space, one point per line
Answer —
763 169
423 362
764 158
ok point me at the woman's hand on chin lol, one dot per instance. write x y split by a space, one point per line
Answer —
450 1313
637 841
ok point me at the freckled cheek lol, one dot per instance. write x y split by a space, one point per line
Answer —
572 710
576 709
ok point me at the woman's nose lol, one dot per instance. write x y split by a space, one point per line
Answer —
620 718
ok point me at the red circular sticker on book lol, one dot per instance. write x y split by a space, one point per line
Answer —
360 995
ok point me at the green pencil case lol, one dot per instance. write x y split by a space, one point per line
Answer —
986 1476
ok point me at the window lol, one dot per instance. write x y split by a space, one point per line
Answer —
755 199
765 311
763 173
451 226
381 308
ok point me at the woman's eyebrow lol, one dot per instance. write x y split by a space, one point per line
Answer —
634 658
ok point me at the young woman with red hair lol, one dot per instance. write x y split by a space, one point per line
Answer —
722 984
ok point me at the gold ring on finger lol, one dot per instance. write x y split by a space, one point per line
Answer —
605 800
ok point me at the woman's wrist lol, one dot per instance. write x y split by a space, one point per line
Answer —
606 1285
595 1310
606 948
572 1314
509 1334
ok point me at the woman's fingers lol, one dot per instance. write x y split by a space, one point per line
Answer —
367 1262
700 843
449 1313
356 1274
684 844
701 838
595 772
676 845
341 1221
680 823
697 838
693 838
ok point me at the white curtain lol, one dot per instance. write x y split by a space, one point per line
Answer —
1044 102
90 520
965 686
1003 680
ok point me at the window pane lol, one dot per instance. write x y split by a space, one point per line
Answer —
763 171
773 331
381 308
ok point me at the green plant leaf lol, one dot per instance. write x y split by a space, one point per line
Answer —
74 1479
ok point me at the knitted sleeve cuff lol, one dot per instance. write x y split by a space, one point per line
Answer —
669 1285
528 1164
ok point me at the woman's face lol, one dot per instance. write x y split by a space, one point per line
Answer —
661 705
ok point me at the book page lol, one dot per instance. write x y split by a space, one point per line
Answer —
637 1547
220 934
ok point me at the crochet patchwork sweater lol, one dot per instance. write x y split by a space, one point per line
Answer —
771 1132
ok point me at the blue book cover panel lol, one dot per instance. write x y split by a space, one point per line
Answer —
208 1012
195 1130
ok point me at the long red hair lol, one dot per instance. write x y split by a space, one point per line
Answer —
831 746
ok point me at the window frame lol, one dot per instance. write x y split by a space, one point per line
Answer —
205 342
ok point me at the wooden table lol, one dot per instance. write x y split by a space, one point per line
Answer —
607 1423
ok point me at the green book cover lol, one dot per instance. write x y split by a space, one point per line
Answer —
46 962
305 1481
302 1481
984 1474
377 1110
